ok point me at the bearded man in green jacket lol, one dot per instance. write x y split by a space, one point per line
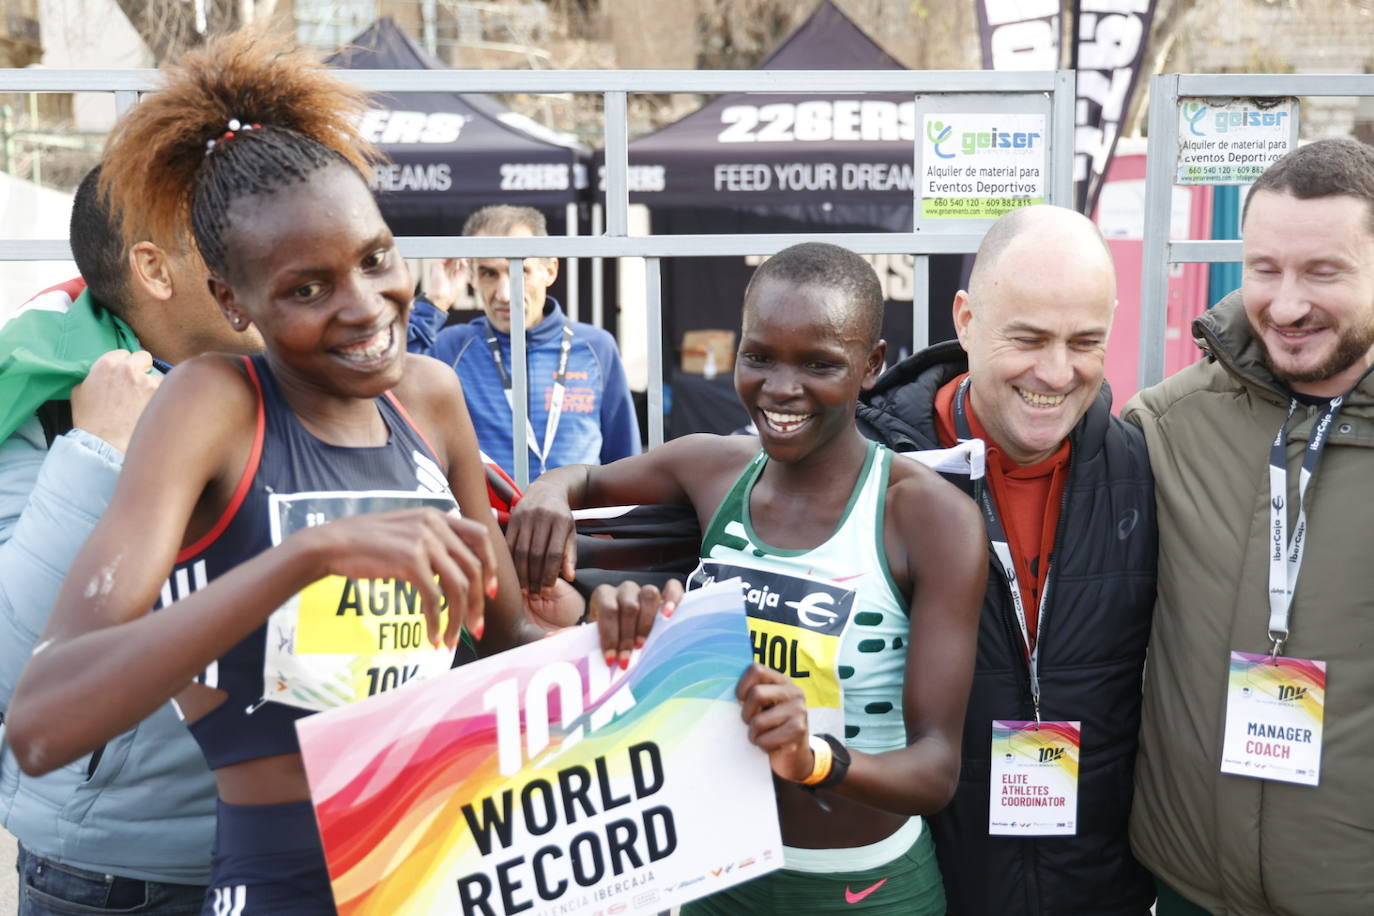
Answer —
1253 792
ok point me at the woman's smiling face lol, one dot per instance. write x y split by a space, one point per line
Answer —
803 358
315 268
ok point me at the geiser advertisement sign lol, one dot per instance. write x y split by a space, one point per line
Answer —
980 166
540 781
1232 141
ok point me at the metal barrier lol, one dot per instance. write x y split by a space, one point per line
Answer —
1160 251
615 86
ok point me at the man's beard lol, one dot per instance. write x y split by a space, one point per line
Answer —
1352 344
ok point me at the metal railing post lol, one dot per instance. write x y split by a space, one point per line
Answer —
519 375
1159 184
654 332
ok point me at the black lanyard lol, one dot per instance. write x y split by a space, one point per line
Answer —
997 534
1285 555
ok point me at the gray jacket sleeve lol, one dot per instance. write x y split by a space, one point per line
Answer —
50 500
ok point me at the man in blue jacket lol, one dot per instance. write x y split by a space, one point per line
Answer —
129 828
580 408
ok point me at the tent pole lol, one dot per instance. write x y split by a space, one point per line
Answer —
429 12
574 298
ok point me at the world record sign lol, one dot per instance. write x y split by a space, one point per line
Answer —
540 781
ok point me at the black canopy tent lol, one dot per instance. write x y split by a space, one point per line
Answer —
786 163
451 152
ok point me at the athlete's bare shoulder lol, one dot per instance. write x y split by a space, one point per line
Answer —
921 506
922 495
427 384
220 379
704 456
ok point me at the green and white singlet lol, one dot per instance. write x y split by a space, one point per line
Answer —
831 617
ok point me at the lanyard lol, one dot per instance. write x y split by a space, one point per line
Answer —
997 534
1283 570
559 385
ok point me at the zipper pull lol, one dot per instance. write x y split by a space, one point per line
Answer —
249 710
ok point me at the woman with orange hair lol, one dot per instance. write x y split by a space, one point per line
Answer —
300 520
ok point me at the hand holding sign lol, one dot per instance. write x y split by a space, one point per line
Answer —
624 615
775 709
541 780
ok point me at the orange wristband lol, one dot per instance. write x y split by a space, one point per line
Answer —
824 760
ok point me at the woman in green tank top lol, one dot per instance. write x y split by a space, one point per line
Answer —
865 575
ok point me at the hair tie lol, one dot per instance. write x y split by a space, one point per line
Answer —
235 126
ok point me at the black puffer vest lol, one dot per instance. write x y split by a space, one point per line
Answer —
1092 653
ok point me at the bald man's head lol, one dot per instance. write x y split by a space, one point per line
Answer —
1051 231
1034 322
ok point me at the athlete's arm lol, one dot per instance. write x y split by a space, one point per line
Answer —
541 533
103 664
937 549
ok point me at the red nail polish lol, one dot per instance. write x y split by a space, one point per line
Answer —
478 629
624 662
491 590
668 609
610 659
639 642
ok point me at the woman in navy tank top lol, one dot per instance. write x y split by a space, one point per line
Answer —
334 454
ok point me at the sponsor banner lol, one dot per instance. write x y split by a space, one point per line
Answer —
1019 34
542 781
340 639
1235 141
796 624
1274 713
979 166
1034 785
1108 54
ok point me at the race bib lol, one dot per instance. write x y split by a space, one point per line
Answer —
796 624
1274 714
339 639
1034 789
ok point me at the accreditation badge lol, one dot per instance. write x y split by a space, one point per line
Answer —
339 639
796 625
1274 712
1034 790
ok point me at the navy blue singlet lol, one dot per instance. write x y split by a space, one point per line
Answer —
287 459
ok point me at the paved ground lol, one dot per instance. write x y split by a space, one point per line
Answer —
9 882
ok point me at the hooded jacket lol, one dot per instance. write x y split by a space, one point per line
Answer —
144 806
1092 641
1231 844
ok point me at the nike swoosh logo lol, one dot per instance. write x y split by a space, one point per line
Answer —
852 898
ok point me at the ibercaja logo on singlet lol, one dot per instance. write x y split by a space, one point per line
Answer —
796 624
339 639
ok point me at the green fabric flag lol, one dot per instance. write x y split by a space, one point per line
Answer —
45 352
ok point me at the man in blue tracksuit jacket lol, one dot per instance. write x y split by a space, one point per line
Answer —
591 420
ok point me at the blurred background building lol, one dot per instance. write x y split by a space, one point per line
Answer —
52 138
